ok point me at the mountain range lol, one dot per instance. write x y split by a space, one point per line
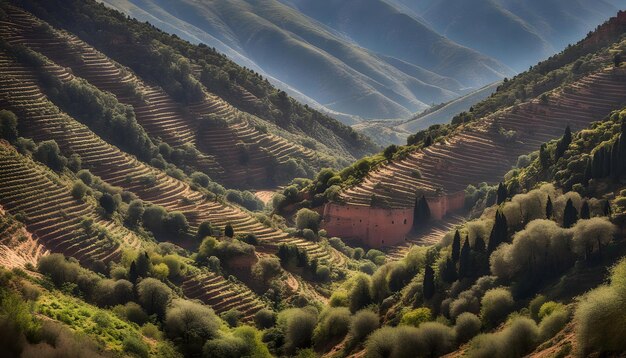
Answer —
377 59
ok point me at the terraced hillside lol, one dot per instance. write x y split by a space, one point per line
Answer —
53 216
55 220
486 150
222 295
18 248
234 151
44 121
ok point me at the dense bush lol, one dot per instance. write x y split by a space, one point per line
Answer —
332 327
601 316
79 189
518 339
190 324
363 323
467 326
416 317
432 339
48 153
495 306
359 294
267 268
154 296
8 126
298 326
307 219
264 318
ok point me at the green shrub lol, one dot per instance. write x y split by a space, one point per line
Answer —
232 317
48 153
518 339
298 325
79 189
332 327
416 317
190 324
154 296
264 319
363 323
8 126
136 347
553 323
307 219
467 326
496 305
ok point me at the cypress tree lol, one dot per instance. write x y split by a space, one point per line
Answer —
428 141
606 209
502 194
549 208
585 212
563 143
132 272
479 244
421 213
456 246
143 264
429 282
588 175
544 156
499 232
465 260
449 271
570 214
229 231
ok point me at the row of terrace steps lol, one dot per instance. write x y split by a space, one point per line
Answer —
480 153
52 215
156 112
222 295
159 114
46 122
429 235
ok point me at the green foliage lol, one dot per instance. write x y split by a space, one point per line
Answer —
416 317
8 126
363 323
359 294
307 219
600 316
467 326
432 339
298 326
264 319
333 325
154 296
190 324
48 153
516 340
79 189
496 305
136 347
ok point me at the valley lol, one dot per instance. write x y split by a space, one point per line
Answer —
157 199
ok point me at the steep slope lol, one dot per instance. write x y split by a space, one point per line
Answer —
448 110
205 78
209 124
380 27
518 33
480 150
310 57
45 122
18 247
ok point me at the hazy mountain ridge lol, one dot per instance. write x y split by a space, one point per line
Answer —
310 57
518 33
